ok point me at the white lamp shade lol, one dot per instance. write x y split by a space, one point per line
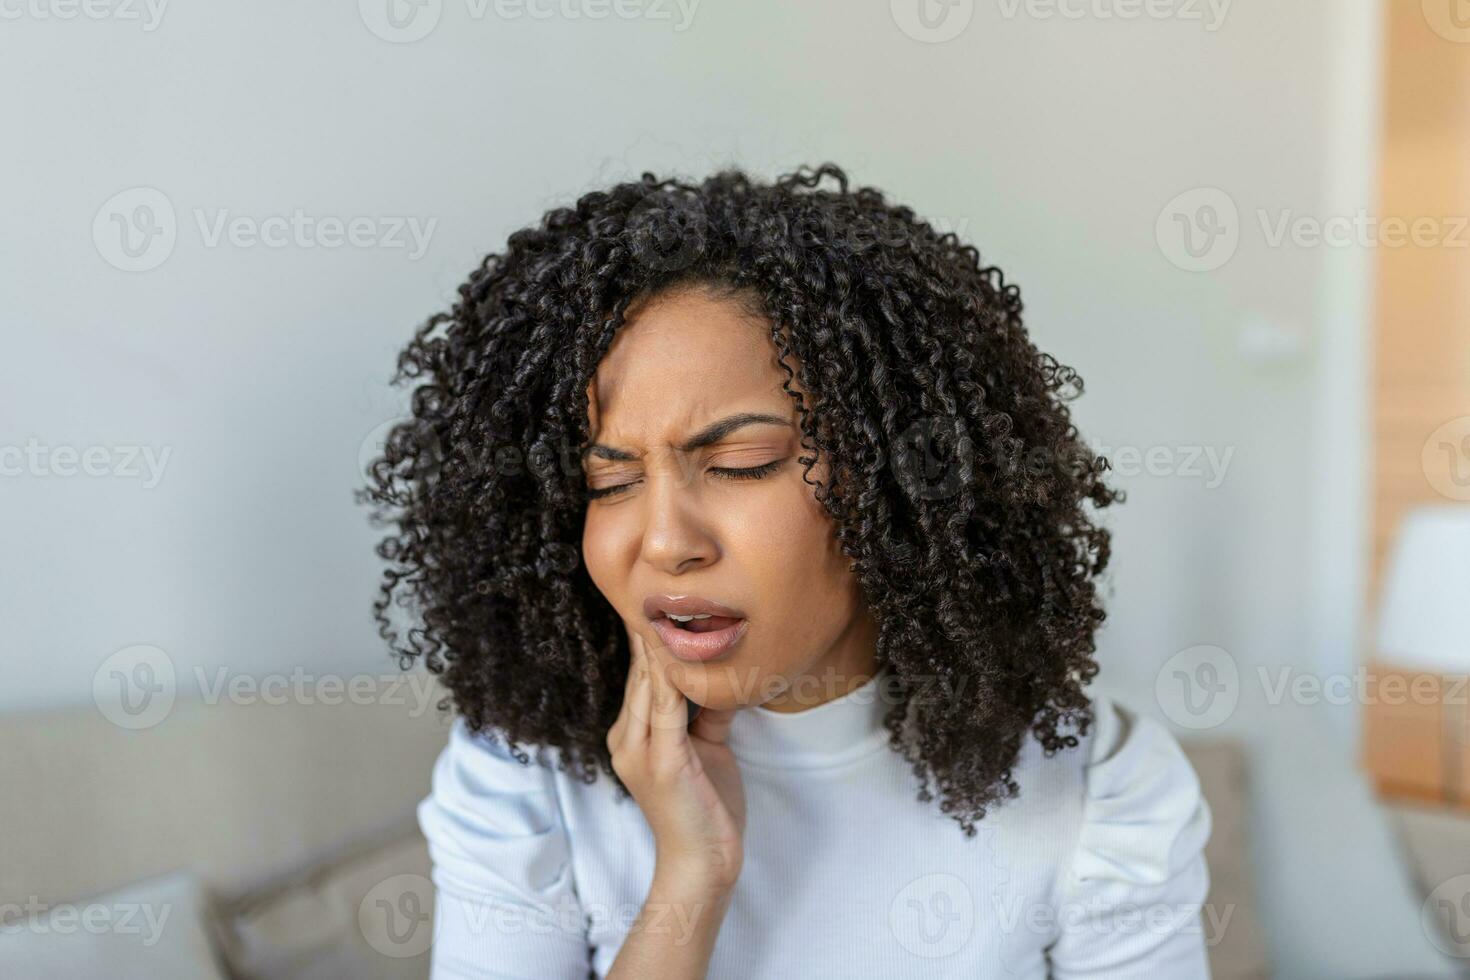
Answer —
1424 619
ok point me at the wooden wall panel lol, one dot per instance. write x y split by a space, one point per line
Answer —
1421 373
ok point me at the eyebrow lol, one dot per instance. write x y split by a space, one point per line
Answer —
709 435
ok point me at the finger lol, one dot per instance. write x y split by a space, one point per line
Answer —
713 726
640 697
635 657
669 722
630 683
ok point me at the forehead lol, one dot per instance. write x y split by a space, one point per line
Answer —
681 359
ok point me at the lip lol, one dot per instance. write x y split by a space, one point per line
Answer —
693 647
698 647
656 606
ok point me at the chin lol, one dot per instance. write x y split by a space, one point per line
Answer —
721 685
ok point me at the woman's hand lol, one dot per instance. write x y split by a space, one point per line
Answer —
684 778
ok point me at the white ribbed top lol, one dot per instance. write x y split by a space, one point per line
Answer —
1097 867
830 733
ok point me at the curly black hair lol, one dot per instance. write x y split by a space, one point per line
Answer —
958 487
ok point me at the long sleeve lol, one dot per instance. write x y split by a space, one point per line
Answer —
506 906
1130 900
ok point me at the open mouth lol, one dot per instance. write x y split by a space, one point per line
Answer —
695 628
706 624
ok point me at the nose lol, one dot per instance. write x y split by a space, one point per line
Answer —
677 536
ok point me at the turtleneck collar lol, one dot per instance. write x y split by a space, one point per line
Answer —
831 733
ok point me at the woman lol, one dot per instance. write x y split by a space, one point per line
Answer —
779 458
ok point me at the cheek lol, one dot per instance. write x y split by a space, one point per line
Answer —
599 554
787 544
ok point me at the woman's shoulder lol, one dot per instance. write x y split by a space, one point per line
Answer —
492 818
484 763
1144 815
1127 794
1130 877
505 890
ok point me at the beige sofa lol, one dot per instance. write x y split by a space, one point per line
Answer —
279 841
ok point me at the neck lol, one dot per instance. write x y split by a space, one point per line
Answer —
847 665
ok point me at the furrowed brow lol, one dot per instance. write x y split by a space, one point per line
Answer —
709 435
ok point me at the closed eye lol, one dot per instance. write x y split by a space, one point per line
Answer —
749 473
723 472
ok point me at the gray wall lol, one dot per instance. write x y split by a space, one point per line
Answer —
1053 143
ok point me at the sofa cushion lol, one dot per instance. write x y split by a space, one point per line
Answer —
158 929
239 790
1237 944
368 915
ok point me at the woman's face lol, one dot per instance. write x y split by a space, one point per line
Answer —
665 521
